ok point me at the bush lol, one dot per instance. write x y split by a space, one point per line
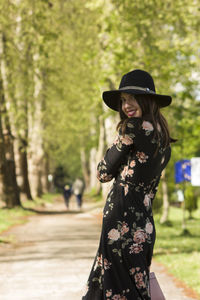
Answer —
190 199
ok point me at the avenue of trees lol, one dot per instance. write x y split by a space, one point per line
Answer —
56 58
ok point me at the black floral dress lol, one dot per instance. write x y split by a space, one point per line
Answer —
121 267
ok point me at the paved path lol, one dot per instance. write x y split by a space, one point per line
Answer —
52 255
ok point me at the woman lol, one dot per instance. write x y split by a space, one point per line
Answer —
136 160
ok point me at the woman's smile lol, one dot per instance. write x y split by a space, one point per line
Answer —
130 113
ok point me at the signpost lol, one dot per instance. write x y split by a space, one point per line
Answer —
187 170
183 171
182 174
195 171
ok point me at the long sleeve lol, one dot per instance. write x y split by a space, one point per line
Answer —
108 167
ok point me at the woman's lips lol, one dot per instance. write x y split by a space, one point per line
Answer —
131 113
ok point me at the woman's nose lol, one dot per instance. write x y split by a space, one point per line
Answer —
126 104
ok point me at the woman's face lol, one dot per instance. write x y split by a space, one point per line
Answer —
130 106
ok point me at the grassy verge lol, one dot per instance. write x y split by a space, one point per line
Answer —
40 202
180 254
15 216
93 196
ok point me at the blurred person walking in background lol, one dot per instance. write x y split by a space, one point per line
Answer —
135 160
78 189
67 192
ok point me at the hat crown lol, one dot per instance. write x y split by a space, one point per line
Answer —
138 78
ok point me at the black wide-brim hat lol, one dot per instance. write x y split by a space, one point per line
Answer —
136 82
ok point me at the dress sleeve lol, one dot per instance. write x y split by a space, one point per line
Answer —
108 167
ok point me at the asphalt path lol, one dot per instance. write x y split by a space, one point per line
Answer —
50 256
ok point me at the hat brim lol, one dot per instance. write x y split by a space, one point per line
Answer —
111 98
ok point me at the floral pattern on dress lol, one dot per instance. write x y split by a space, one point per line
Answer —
123 140
102 175
136 248
126 172
138 236
116 234
148 200
126 188
142 157
121 296
101 263
148 127
140 277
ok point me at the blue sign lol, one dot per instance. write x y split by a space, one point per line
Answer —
183 170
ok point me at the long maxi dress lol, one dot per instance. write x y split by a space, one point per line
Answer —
121 267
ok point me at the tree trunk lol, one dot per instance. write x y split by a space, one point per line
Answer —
110 124
93 166
36 150
165 213
46 185
92 160
25 186
8 172
14 109
3 183
101 148
11 190
85 169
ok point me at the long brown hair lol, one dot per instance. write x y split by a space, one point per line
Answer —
150 112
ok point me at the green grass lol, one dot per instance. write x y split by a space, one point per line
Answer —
180 254
40 202
93 196
15 216
10 217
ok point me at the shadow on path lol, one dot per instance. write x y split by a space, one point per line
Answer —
52 212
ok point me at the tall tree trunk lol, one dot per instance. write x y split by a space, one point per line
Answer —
85 168
22 91
165 213
110 124
93 166
8 173
17 104
101 148
12 190
36 149
36 156
92 159
3 183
